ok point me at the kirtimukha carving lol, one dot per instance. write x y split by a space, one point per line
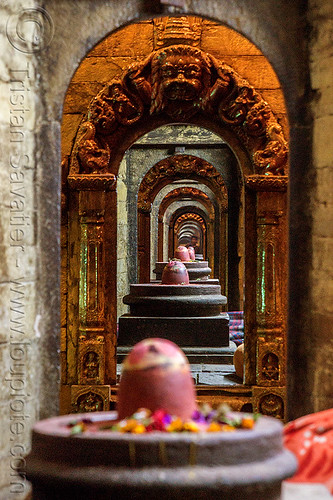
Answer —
177 167
178 82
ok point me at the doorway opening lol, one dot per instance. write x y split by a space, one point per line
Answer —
217 96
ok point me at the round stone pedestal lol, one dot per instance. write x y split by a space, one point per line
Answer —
189 315
151 299
99 465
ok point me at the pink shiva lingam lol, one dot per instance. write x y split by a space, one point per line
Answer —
160 444
156 375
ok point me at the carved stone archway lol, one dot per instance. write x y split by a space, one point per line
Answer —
170 169
179 83
189 193
162 90
194 216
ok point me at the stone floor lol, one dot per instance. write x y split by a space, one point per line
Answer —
209 374
209 366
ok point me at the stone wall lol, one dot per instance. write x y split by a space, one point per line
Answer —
20 335
321 63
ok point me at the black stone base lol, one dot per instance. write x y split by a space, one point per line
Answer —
196 355
210 331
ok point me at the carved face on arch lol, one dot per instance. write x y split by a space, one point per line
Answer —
179 80
181 77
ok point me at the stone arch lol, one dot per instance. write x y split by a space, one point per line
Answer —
173 168
150 92
198 218
190 193
113 123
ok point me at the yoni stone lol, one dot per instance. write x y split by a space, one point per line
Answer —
156 375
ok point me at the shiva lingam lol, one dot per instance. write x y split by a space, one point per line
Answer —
189 314
159 444
198 270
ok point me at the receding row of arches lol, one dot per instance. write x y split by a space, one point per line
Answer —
121 217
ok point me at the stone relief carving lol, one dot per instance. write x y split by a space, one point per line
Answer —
176 167
92 182
93 158
190 216
91 359
171 30
90 369
272 405
267 183
187 192
88 402
271 366
273 158
180 81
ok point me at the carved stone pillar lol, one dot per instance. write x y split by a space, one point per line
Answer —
92 291
143 246
266 316
160 239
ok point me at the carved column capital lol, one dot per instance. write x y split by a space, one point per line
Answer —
92 182
266 182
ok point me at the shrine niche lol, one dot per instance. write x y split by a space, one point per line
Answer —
178 83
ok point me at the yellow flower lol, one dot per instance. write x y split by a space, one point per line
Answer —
139 429
227 428
191 427
175 426
130 425
214 427
247 423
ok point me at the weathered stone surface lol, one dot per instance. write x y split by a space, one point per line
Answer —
219 40
70 124
133 40
101 70
80 95
211 331
152 299
241 464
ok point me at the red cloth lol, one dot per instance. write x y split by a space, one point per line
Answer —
310 438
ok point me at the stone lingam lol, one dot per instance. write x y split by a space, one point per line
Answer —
198 270
97 456
189 314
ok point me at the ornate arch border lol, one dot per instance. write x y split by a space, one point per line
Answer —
127 106
123 111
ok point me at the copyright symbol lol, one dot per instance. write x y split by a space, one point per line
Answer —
30 31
